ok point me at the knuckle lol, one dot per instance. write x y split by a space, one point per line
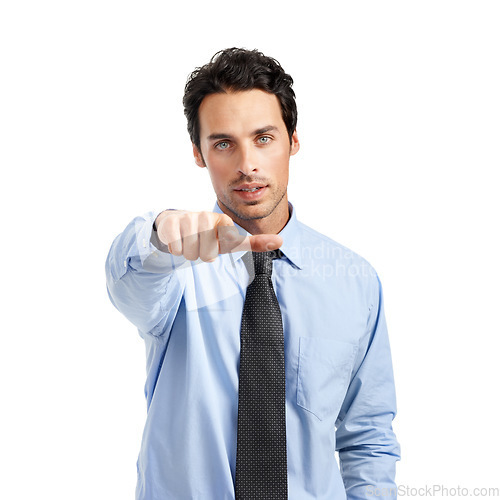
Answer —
185 217
175 250
167 230
205 218
188 221
208 257
169 223
190 255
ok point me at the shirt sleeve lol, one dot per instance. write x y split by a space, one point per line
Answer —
367 446
141 280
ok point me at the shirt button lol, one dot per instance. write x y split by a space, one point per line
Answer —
124 263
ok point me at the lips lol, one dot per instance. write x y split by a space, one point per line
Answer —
250 188
252 192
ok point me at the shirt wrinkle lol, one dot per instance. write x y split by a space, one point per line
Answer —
337 365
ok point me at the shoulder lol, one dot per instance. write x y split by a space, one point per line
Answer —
318 246
329 262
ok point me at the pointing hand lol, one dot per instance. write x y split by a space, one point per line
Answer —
205 235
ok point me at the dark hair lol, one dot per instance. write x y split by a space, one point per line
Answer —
234 70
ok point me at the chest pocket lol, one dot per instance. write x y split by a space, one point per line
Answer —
323 375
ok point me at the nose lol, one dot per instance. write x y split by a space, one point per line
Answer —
246 160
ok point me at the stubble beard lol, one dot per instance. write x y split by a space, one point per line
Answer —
230 206
242 216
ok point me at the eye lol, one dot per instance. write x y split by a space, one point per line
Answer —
264 139
222 145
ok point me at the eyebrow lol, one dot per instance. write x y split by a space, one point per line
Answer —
263 130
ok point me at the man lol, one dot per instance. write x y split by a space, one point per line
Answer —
262 363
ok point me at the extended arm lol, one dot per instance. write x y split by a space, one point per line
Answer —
140 264
140 279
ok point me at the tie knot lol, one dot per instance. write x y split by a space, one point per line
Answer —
263 261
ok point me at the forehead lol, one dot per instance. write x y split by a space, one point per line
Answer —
239 112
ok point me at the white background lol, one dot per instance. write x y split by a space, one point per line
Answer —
399 125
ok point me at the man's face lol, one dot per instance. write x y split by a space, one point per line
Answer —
246 148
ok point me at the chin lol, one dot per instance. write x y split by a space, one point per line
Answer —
250 214
249 211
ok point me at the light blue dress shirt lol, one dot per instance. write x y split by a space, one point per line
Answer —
339 379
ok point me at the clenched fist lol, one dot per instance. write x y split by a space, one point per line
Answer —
205 235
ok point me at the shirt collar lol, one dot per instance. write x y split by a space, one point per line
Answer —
290 234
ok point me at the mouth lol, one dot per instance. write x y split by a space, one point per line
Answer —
250 191
250 188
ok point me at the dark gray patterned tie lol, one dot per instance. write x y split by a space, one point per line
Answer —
261 467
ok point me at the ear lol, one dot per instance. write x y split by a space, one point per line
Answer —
295 146
198 157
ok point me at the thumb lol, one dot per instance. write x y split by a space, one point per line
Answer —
255 243
265 242
231 241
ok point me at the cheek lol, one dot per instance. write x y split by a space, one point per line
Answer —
218 163
278 164
218 175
